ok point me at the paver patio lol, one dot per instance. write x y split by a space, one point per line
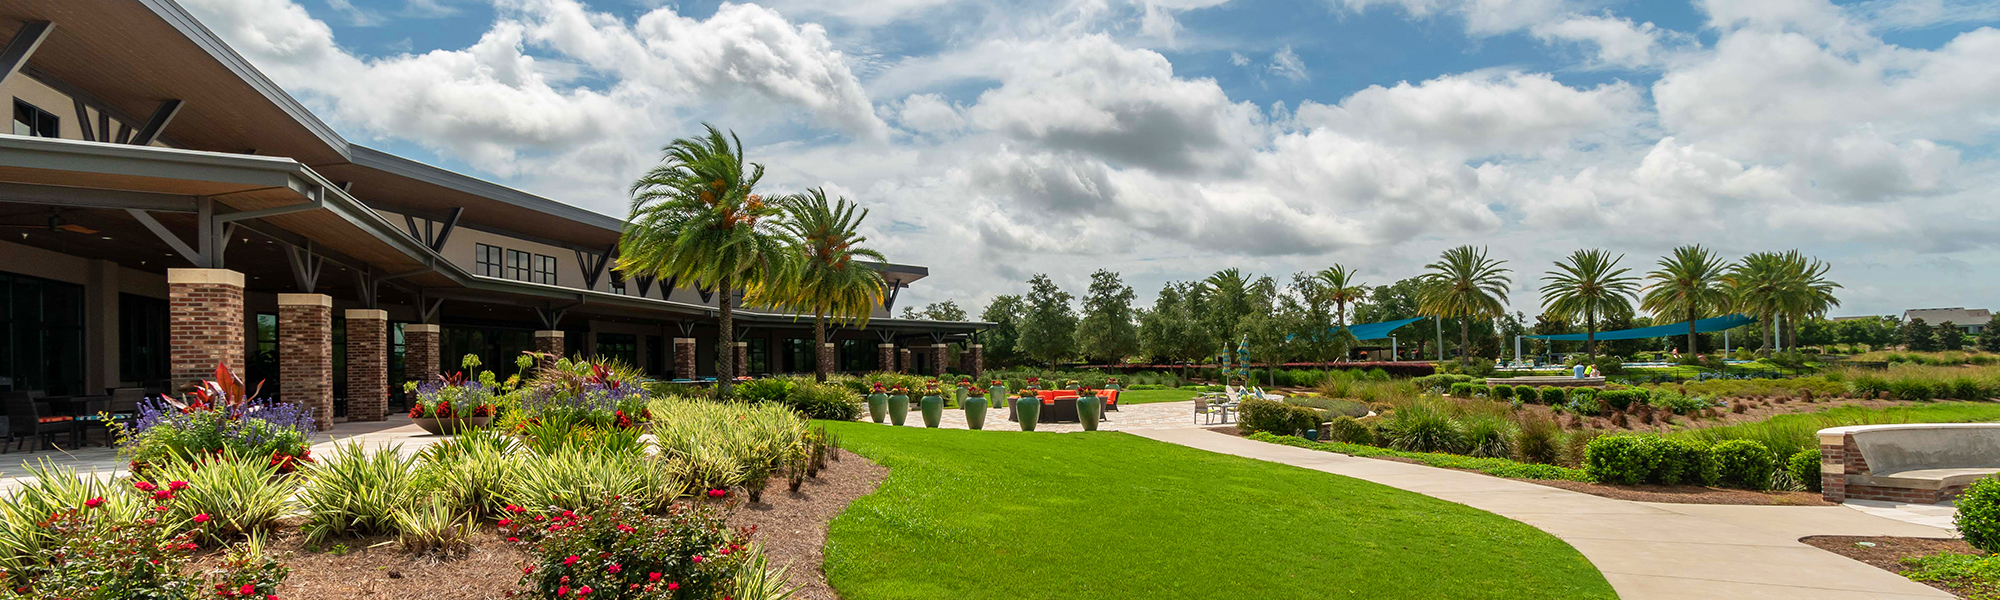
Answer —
1646 550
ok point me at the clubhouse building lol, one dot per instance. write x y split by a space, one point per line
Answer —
164 208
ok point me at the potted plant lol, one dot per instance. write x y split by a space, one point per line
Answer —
963 384
975 407
1033 383
878 403
1088 408
452 403
1111 383
1072 384
933 404
1027 408
899 405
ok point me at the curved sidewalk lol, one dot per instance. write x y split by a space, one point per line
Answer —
1646 550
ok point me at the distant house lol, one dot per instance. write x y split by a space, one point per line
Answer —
1969 320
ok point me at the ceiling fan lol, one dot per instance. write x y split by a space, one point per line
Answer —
55 222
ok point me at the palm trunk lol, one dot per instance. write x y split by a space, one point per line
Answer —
1692 351
820 367
1465 338
725 375
1590 335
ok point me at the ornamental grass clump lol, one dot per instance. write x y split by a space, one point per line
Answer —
223 497
725 445
469 471
46 490
355 492
1422 426
622 551
582 479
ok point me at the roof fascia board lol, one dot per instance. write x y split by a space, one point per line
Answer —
145 161
396 165
180 20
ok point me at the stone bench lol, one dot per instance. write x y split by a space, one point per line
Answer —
1556 381
1923 463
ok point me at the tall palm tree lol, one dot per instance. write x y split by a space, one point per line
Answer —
1759 285
1809 296
1589 284
829 281
1464 283
1687 284
696 217
1341 286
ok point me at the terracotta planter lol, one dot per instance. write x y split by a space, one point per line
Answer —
899 409
451 425
1088 410
975 412
933 408
878 407
1028 409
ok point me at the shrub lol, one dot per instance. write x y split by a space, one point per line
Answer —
1978 517
1501 392
164 431
1348 430
1422 427
1497 467
765 389
1634 459
1553 396
136 558
1461 390
1804 466
1482 390
1281 418
1526 393
1743 463
1621 399
623 552
825 401
1539 441
580 479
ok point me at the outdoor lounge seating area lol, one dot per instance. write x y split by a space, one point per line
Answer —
34 420
1924 463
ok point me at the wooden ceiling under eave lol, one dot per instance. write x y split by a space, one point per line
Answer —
330 230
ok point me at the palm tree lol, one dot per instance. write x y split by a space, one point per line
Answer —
1687 284
1341 286
1759 285
1811 293
829 282
1464 283
696 217
1589 284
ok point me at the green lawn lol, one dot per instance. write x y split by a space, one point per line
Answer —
996 514
1151 396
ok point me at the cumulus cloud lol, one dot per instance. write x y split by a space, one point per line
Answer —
1477 114
1618 41
1287 64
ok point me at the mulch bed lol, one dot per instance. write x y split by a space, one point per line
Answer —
791 529
1688 494
1888 553
791 526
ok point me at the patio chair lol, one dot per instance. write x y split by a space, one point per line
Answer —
1203 409
25 419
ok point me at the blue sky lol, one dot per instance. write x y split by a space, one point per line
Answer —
1169 138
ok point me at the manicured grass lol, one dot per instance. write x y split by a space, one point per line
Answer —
1151 396
995 514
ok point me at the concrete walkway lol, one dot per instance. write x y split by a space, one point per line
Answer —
104 463
1646 550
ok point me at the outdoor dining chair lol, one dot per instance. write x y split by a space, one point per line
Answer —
25 420
1210 411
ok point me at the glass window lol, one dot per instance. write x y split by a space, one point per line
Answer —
622 347
30 120
757 355
489 260
41 336
142 339
545 269
799 356
262 363
859 356
517 265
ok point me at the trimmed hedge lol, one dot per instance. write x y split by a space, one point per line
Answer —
1257 414
1552 395
1744 463
1461 390
1979 514
1637 459
1349 430
1804 466
1497 467
1501 392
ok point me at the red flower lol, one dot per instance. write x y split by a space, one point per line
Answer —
655 576
94 502
515 509
144 486
202 518
614 568
717 493
163 494
177 485
583 590
697 558
506 522
513 539
671 586
247 589
527 569
562 590
571 560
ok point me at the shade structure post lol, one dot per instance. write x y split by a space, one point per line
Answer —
1392 349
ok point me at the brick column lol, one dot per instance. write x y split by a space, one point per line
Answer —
905 365
827 362
1833 459
978 359
885 357
742 352
305 354
421 361
551 343
205 323
940 358
684 358
367 364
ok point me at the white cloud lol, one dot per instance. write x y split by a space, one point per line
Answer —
1287 64
1477 115
1618 42
1482 17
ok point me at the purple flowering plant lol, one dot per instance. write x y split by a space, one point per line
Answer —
206 424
